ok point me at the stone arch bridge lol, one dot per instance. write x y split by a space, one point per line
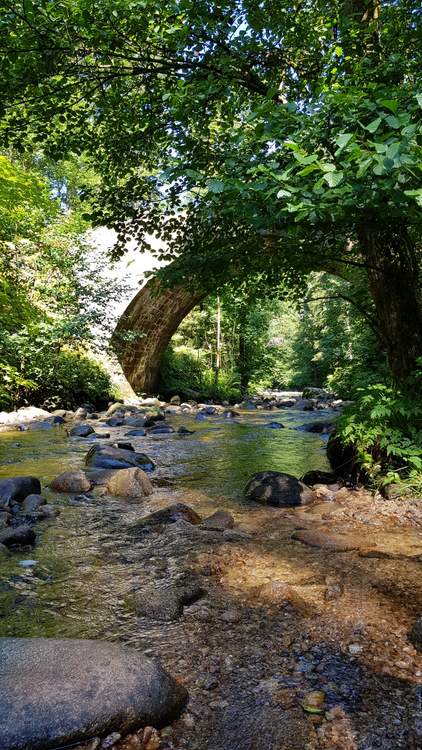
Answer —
145 329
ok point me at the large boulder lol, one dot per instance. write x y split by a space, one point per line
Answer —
81 430
16 489
71 481
107 457
277 488
20 536
58 692
129 483
343 458
22 416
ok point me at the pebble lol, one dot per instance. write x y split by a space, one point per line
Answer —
314 702
28 563
355 648
110 740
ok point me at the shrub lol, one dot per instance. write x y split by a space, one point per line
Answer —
385 427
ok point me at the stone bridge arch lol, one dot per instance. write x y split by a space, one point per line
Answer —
145 329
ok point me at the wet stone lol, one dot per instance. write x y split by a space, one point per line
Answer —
219 521
66 691
167 604
17 536
169 515
71 481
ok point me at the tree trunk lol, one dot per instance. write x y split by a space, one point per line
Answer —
393 281
242 365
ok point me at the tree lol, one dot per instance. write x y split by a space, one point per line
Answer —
279 136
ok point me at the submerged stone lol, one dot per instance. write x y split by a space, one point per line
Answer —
107 457
172 514
57 692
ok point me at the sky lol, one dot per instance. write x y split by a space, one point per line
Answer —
132 266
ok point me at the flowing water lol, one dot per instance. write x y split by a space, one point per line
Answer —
241 661
62 593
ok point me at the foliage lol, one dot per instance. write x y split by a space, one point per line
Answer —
248 136
385 427
185 374
51 297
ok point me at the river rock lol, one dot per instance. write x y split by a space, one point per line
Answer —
23 415
17 535
328 540
140 432
305 404
32 503
65 691
278 489
160 429
129 483
415 635
152 418
167 604
45 425
318 477
81 430
274 425
343 458
123 444
175 400
107 457
17 489
135 421
115 421
171 514
117 406
184 431
80 413
71 481
219 521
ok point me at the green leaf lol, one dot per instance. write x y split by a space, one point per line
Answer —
393 121
390 104
216 186
343 139
333 178
284 194
374 125
419 99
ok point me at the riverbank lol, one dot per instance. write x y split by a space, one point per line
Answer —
300 635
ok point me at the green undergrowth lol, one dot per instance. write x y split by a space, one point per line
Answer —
186 374
384 426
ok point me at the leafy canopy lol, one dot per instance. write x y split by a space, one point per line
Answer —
218 124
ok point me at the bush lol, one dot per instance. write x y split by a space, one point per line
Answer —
384 425
56 379
186 374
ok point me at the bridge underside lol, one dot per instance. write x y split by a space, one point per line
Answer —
145 329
